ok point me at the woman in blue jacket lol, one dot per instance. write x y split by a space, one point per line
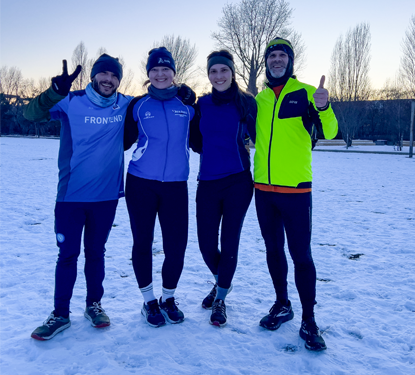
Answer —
223 119
157 183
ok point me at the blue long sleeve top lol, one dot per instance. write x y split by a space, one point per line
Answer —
218 135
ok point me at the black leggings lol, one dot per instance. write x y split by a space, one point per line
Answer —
227 200
95 220
290 212
145 199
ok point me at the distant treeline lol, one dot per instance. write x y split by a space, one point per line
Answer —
13 122
373 119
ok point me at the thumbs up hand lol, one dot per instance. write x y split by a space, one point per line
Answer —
62 84
321 96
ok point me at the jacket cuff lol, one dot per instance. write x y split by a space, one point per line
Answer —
53 95
321 109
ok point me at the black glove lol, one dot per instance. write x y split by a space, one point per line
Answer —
187 95
62 84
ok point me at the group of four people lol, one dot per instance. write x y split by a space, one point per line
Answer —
98 124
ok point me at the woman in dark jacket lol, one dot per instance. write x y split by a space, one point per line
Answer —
223 119
157 183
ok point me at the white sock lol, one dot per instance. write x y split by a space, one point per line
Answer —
148 293
167 293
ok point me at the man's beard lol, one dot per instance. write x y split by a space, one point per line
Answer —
95 86
278 75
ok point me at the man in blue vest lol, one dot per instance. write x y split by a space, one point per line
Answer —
91 170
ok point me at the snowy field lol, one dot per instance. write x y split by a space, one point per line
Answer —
363 245
385 149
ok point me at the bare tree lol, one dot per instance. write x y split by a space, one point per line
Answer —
11 80
43 84
10 86
184 55
349 77
80 57
31 88
14 89
349 73
127 85
245 30
407 71
391 90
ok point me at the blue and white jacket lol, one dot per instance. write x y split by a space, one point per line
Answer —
162 127
91 154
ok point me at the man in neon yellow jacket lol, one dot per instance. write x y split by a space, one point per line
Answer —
287 111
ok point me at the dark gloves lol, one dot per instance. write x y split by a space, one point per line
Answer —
62 84
187 95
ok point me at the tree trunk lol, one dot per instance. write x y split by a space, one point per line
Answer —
252 87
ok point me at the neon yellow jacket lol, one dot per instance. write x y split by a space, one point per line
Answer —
283 127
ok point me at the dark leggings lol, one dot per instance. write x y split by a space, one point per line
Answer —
290 212
227 200
169 200
71 218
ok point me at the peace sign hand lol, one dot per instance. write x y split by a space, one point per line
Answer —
321 96
62 84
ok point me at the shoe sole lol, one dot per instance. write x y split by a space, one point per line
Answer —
40 338
144 313
311 348
217 324
285 319
102 325
166 316
210 307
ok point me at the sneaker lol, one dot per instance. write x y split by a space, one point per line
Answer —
51 327
96 314
151 311
312 336
170 311
218 317
277 315
210 298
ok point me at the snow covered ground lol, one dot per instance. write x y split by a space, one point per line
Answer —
363 148
363 246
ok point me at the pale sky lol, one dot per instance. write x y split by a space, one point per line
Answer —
37 34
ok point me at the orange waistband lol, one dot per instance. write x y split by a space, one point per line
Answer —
281 189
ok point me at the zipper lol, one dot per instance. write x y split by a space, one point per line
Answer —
270 140
167 145
288 83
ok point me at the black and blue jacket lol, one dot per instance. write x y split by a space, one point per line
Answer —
218 135
162 129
